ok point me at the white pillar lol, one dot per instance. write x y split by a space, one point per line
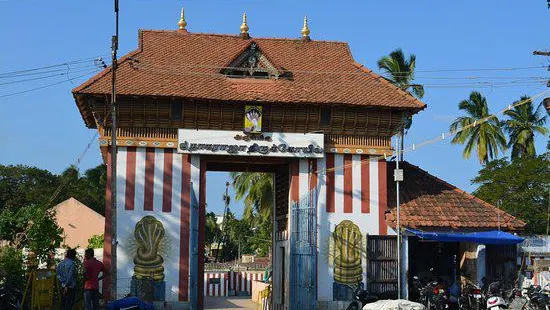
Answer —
481 263
405 267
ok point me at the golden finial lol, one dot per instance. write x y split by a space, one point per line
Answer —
244 25
182 23
305 29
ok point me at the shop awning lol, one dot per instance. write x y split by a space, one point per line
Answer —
482 237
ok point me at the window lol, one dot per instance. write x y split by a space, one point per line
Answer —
325 116
176 111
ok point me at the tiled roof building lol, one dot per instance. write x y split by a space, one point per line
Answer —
195 65
428 202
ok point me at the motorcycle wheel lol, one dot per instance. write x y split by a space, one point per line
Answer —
353 306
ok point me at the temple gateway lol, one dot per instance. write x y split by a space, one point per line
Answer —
320 123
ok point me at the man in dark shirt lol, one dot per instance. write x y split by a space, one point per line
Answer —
92 268
66 274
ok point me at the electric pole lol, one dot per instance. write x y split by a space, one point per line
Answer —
398 177
542 53
226 200
114 48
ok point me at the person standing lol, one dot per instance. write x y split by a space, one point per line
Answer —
92 268
66 274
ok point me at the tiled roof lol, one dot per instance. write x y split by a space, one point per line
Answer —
428 202
188 65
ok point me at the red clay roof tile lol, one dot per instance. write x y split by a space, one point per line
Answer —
188 65
428 202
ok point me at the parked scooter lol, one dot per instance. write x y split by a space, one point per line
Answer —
362 297
495 299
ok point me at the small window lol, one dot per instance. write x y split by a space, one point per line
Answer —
176 111
325 116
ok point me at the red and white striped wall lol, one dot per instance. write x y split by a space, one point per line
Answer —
349 187
216 283
242 281
156 182
238 281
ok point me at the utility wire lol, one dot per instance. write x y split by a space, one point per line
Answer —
170 70
137 63
46 77
16 75
76 164
51 66
441 136
48 85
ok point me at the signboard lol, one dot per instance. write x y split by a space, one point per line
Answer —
221 142
252 119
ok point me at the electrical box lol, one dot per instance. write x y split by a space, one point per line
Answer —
398 175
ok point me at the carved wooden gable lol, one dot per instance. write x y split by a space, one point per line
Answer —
251 63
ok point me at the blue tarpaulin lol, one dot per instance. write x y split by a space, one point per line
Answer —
482 237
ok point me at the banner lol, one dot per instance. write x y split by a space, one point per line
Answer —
252 119
236 143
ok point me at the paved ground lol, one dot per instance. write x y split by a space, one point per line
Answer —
236 303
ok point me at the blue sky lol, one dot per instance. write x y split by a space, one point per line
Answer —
43 127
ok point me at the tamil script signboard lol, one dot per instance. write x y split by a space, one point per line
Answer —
236 143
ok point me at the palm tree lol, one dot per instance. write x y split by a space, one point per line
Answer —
256 190
400 72
486 136
524 121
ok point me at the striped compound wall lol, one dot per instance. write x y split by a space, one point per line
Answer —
220 283
160 183
152 182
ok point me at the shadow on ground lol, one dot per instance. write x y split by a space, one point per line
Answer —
229 303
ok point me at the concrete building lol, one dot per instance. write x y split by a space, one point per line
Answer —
79 222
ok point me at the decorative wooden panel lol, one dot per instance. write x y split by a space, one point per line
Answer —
304 118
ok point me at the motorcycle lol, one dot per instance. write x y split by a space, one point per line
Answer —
471 298
537 298
362 297
432 295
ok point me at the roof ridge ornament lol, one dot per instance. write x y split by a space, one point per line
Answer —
305 31
244 28
182 23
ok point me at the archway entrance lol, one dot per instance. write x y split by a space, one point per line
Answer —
235 285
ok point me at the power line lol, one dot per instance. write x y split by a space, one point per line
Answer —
16 75
443 136
52 66
76 164
48 85
169 70
46 77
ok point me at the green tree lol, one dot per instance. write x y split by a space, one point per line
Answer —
33 227
96 241
22 185
12 267
212 230
519 187
400 72
256 191
487 137
88 188
523 123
